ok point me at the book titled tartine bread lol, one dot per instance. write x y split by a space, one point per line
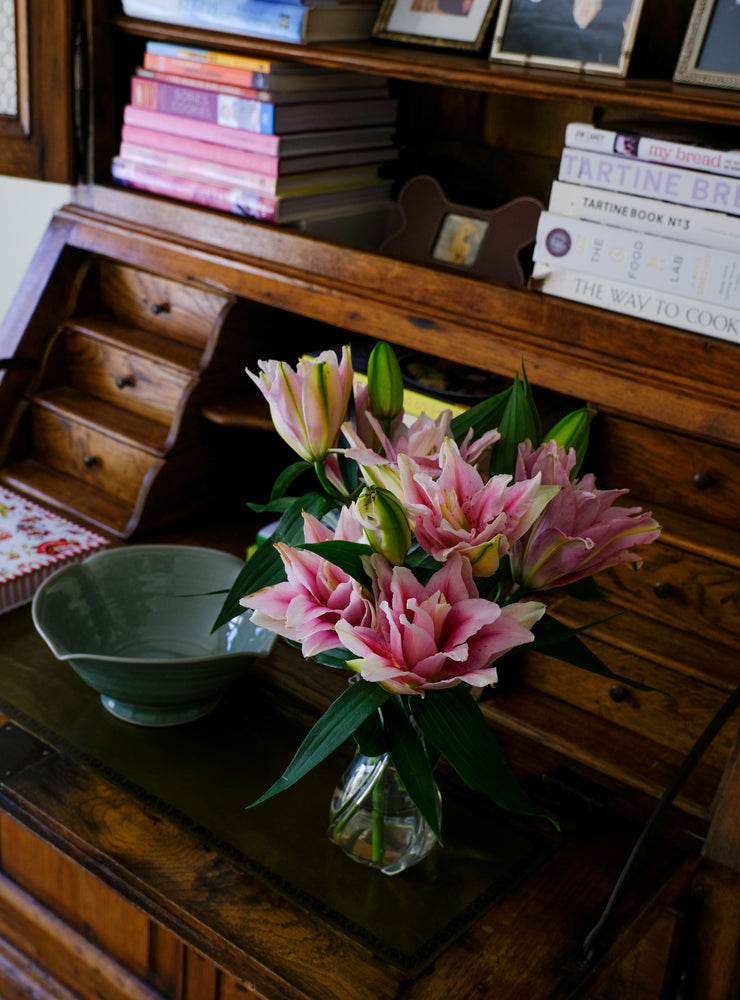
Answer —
34 542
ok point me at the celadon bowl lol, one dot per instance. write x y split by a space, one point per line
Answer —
135 624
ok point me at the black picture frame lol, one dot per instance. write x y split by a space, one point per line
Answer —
586 36
710 54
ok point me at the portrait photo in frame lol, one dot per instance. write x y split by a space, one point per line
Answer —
588 36
456 24
710 54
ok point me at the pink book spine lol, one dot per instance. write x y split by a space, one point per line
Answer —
237 201
209 170
183 146
254 142
203 105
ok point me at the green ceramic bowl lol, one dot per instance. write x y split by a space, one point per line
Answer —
135 624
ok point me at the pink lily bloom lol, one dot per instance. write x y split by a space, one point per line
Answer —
580 532
316 594
461 512
433 636
308 403
377 452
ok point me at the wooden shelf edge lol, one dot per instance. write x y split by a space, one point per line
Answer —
468 71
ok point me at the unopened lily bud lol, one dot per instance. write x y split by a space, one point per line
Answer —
385 523
573 432
384 382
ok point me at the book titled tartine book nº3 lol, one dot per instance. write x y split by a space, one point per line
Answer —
34 542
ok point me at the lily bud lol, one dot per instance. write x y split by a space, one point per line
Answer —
385 523
384 382
573 432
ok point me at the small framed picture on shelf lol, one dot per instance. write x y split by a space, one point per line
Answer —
588 36
455 24
710 54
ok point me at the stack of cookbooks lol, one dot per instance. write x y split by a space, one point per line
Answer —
296 21
270 140
646 224
34 542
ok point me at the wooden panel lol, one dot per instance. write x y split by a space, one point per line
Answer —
38 142
685 474
169 308
201 978
90 455
129 379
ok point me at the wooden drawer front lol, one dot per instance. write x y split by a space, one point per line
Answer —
135 383
684 474
672 715
102 461
169 308
687 591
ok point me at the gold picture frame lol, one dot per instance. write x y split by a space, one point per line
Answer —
710 54
585 36
455 24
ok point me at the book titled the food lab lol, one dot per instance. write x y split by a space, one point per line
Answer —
34 542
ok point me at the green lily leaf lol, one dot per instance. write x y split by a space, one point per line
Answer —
453 722
370 736
336 725
564 643
288 476
334 658
519 421
482 417
345 555
265 567
412 763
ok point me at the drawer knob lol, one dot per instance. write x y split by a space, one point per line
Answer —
125 380
617 693
662 590
160 307
90 460
702 481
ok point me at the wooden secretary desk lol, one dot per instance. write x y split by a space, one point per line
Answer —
128 866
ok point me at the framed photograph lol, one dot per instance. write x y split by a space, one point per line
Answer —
457 24
588 36
710 54
465 240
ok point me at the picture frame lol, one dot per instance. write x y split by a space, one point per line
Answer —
455 24
585 36
710 54
460 239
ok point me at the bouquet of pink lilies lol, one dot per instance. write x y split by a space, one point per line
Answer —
421 559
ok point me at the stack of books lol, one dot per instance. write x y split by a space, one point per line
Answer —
644 225
296 21
270 140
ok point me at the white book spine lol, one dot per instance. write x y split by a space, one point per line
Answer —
654 149
651 180
644 303
648 215
688 269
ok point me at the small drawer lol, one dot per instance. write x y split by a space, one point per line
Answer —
687 475
673 714
172 309
101 460
130 379
692 593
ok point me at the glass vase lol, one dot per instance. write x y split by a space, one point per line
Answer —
373 819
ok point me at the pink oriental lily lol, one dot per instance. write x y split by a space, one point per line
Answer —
460 512
307 404
316 594
378 453
433 636
581 532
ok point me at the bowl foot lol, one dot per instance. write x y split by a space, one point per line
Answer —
146 715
